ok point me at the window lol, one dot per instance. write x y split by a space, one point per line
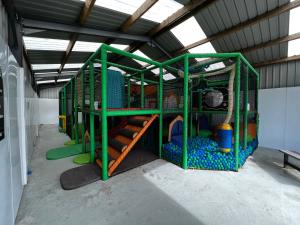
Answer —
33 43
188 32
161 10
83 46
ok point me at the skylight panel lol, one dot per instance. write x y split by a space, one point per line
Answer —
73 65
45 81
84 46
294 47
140 83
162 10
119 46
139 53
124 6
294 21
64 80
215 66
45 66
33 43
188 32
169 76
205 48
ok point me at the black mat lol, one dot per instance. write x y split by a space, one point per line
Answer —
86 174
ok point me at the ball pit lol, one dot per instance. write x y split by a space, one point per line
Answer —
204 153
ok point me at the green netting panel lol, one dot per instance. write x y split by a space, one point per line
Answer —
115 90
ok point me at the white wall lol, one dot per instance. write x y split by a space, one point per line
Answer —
48 111
279 110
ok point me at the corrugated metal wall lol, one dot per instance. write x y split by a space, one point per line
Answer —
3 23
51 93
280 75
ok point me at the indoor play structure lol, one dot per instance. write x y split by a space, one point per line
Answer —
204 118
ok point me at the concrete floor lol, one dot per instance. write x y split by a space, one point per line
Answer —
261 193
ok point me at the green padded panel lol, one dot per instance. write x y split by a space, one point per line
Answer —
71 142
82 159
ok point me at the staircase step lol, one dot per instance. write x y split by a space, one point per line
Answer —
128 133
113 153
147 118
123 139
99 163
117 144
139 123
133 128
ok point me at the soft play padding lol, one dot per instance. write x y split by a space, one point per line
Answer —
86 174
82 159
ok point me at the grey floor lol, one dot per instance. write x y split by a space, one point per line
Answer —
161 193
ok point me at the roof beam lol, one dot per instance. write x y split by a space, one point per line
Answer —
275 12
277 61
137 14
85 12
273 42
37 24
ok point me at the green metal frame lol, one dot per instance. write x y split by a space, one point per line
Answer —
101 56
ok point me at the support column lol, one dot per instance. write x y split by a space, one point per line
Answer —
185 111
237 112
76 110
128 94
160 104
142 91
82 109
104 113
72 113
246 86
92 109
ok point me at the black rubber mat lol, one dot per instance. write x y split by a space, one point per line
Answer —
86 174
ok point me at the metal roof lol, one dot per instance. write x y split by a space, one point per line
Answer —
216 17
225 14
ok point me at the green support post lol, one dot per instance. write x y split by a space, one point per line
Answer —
104 113
237 112
72 113
128 94
185 111
160 92
82 109
142 91
76 111
92 109
246 86
191 111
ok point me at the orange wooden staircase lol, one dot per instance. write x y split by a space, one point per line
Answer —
124 141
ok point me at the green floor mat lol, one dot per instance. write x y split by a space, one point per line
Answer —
67 151
64 152
82 159
70 142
